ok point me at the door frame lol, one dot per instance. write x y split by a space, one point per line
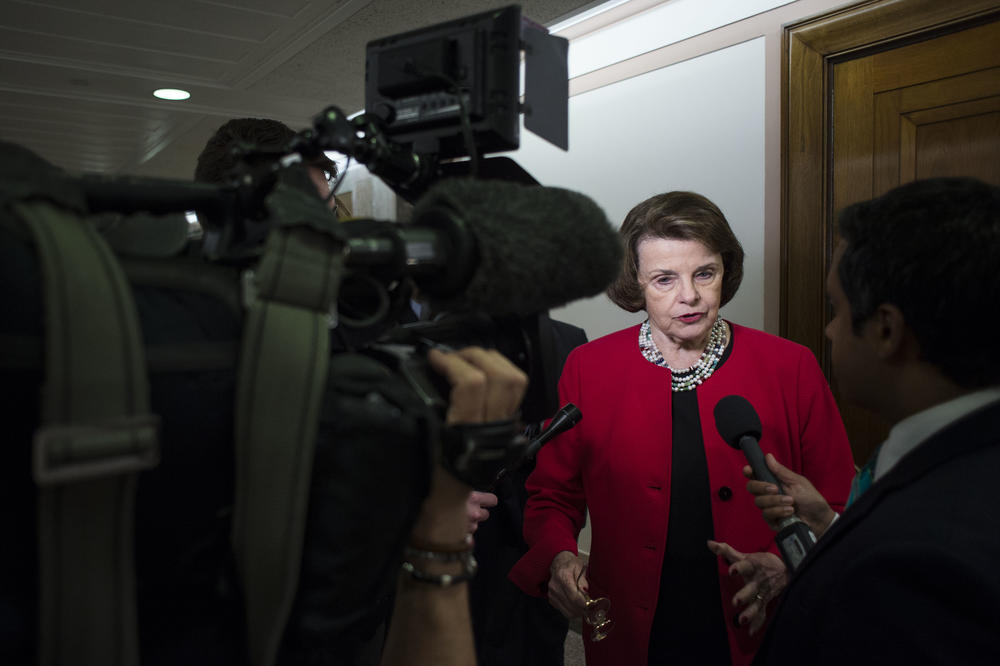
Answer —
809 49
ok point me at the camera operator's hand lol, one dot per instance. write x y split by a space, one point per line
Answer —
485 386
431 622
477 507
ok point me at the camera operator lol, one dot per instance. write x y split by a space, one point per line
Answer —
430 622
219 157
189 605
512 627
217 161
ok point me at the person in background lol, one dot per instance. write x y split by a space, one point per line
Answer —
220 156
647 461
217 161
188 600
431 624
510 626
907 575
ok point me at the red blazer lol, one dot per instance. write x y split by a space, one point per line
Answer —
616 463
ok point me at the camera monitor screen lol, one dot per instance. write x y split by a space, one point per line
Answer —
418 81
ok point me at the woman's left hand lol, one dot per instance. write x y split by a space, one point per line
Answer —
764 578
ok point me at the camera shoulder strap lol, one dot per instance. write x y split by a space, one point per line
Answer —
281 379
96 435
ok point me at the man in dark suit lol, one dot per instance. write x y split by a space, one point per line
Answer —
908 574
510 626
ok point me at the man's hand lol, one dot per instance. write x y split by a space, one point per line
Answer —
430 623
568 584
764 577
802 498
485 386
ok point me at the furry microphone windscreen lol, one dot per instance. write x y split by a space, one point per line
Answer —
538 247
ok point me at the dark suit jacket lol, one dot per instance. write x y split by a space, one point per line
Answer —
910 574
512 628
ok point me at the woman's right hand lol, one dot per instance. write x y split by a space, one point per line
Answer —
568 584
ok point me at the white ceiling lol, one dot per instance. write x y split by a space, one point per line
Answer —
76 76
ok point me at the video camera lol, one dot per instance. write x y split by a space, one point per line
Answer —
233 341
438 100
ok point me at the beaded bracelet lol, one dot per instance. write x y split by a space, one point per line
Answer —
469 567
435 552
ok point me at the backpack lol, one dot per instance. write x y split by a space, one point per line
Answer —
174 429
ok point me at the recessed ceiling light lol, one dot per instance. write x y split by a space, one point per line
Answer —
171 93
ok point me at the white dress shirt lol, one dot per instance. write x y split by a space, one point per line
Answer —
917 428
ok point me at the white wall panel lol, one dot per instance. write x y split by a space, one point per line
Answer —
696 125
655 28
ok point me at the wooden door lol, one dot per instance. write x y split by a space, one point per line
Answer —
876 95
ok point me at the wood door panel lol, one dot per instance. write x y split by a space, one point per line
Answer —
894 133
877 94
938 128
951 90
964 146
802 247
976 107
920 62
875 22
854 124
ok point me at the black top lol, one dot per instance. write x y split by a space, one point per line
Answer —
689 626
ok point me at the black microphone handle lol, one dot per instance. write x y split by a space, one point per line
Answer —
567 417
757 463
794 537
537 443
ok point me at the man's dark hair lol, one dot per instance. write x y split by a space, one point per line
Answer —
680 216
218 158
931 248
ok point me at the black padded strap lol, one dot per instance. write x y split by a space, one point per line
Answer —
282 376
96 434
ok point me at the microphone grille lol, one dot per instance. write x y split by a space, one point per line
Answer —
736 417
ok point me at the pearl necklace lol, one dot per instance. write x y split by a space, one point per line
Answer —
689 378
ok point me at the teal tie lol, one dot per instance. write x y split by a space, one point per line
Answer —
863 479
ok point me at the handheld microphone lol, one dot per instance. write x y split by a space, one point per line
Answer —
739 425
567 417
